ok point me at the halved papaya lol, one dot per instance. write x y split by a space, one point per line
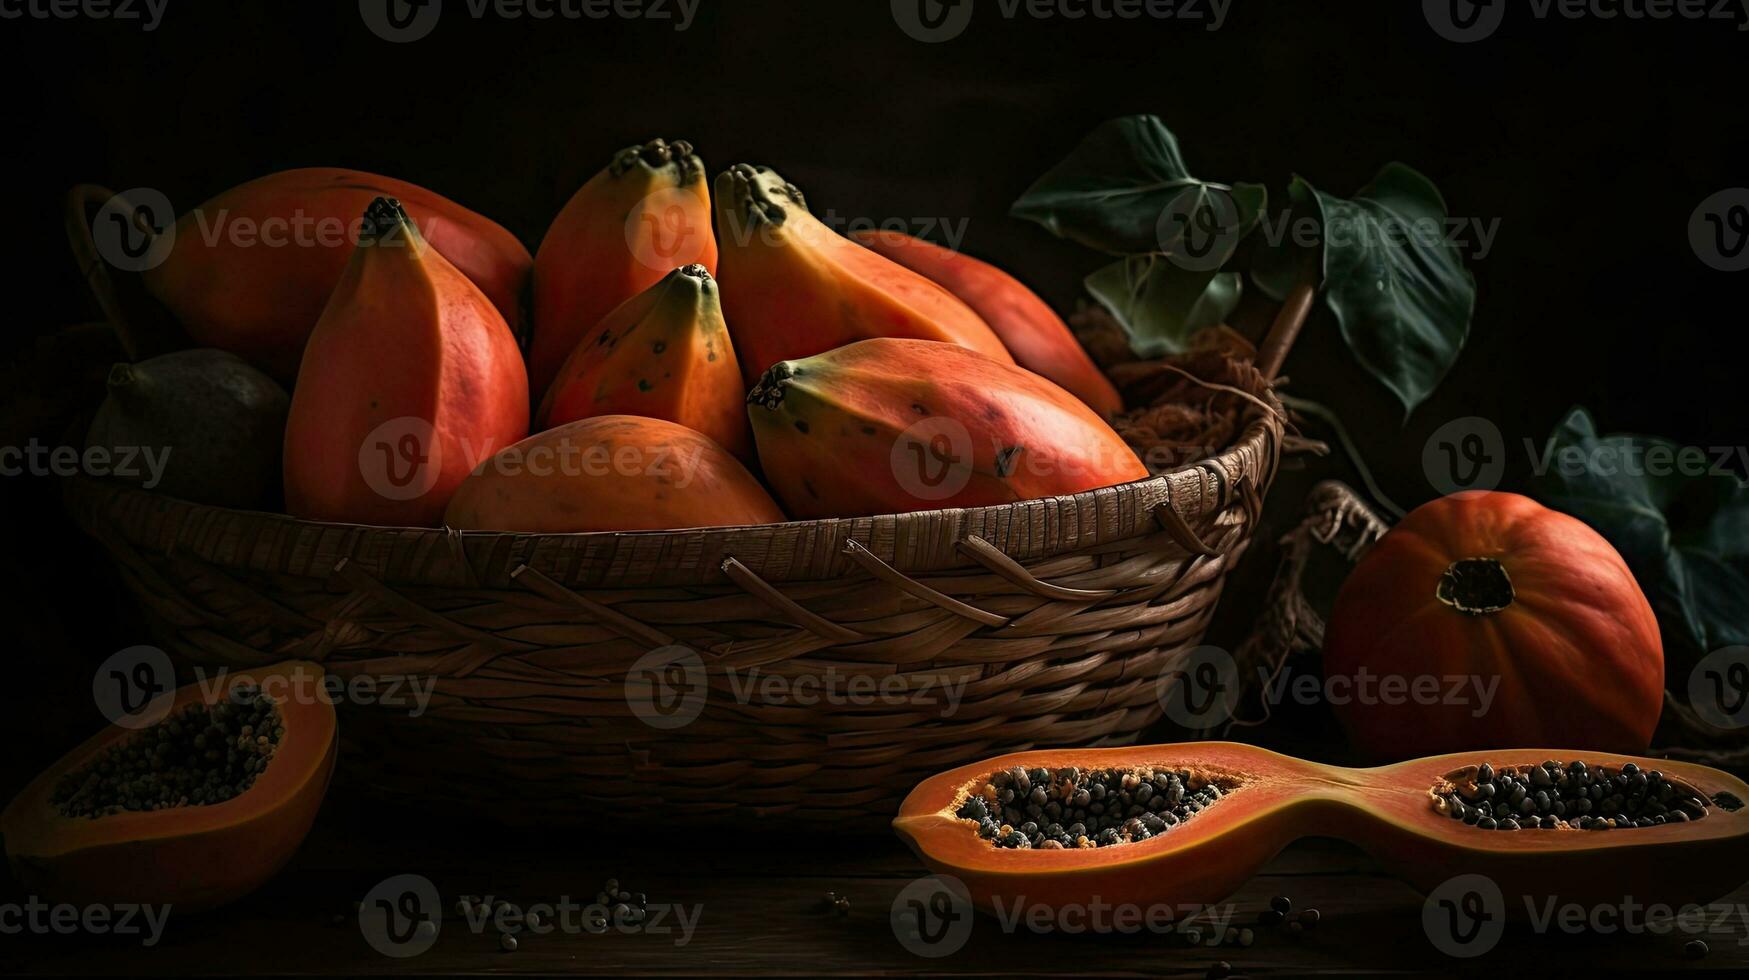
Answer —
71 836
1263 801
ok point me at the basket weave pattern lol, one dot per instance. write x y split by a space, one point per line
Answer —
1054 621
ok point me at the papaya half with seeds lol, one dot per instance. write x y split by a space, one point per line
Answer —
611 473
647 212
793 287
89 830
1213 813
260 302
889 425
1033 332
663 354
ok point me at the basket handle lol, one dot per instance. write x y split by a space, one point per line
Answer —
786 607
619 622
992 558
872 564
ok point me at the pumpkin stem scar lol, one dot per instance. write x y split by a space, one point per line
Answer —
1475 586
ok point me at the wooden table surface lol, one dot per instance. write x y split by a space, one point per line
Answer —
758 907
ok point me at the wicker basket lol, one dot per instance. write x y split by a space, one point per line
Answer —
830 664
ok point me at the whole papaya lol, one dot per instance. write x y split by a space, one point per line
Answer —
252 269
793 287
410 378
611 473
646 213
663 354
891 425
1033 332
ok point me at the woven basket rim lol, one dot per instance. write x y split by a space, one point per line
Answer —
917 541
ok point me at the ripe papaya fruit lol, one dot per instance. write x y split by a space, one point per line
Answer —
646 213
252 269
664 354
410 378
793 287
1519 600
72 838
1033 332
890 425
611 473
1215 812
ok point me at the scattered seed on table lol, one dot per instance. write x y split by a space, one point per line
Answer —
427 929
1269 917
1192 935
1309 918
507 942
1247 937
1296 927
1695 949
1282 904
1220 970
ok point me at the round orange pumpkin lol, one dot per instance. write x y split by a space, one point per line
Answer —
1485 620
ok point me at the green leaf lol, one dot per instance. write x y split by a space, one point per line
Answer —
1679 519
1126 190
1391 274
1160 305
1280 259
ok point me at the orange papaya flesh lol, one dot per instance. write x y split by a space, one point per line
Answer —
646 213
665 353
1033 332
409 380
260 302
1270 800
191 857
793 287
611 473
893 425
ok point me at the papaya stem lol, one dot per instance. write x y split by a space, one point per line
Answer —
1286 329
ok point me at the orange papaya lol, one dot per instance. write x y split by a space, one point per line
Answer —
611 473
1528 604
1033 332
252 269
186 830
1183 826
890 425
410 378
793 287
646 213
664 354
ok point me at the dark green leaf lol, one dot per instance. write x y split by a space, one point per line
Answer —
1391 274
1160 305
1126 190
1679 519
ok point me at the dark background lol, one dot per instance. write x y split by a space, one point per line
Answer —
1591 141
